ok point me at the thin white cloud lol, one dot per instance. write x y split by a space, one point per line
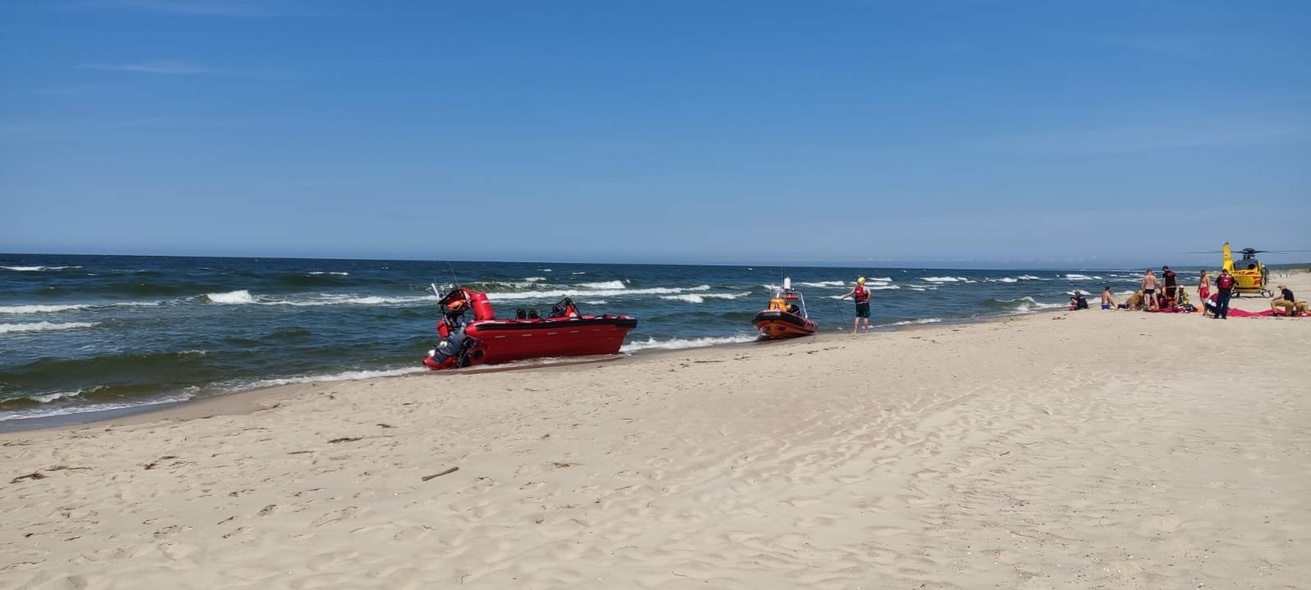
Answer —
165 66
1173 46
175 67
1147 138
231 8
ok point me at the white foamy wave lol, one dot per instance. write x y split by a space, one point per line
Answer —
42 327
562 293
603 285
46 398
593 302
947 280
881 287
916 322
819 284
1029 304
340 274
702 297
1030 278
1008 280
68 411
344 376
36 268
677 343
39 308
534 279
231 298
1079 277
350 300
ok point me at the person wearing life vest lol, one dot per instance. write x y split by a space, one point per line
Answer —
1224 289
861 296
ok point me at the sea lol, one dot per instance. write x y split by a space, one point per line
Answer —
86 336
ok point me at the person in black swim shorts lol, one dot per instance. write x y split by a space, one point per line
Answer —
861 295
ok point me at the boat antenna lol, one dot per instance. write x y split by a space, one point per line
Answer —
454 281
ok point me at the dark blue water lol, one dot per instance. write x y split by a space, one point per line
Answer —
93 333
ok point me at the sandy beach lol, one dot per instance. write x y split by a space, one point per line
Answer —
1088 449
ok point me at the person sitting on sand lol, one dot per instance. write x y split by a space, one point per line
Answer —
1077 301
1107 301
1134 302
1287 302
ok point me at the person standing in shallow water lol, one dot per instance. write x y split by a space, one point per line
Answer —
861 296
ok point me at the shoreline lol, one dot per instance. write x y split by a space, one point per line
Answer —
1071 450
252 400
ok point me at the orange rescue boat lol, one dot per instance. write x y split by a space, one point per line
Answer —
785 316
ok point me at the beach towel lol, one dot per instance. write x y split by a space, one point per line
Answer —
1238 313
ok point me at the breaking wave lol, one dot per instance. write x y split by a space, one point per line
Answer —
42 327
679 343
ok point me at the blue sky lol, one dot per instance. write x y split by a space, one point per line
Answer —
982 132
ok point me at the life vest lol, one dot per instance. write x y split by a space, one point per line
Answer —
860 294
1225 282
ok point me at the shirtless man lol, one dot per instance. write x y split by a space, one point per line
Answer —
1149 290
1107 301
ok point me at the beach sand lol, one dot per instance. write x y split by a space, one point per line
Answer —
1087 449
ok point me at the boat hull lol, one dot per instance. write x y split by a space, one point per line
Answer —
508 340
777 324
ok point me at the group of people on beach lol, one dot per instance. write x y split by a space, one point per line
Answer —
1166 295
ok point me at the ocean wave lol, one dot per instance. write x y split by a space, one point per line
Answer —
36 268
562 293
42 327
84 409
947 280
819 284
1023 305
701 297
244 297
231 297
39 308
329 272
335 299
1006 280
1030 278
534 279
343 376
45 398
679 343
1080 277
916 322
603 285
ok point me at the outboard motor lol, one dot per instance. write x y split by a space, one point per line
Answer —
457 350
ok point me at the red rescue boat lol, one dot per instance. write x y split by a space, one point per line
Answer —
785 316
488 340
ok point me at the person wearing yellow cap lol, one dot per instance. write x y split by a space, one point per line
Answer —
861 295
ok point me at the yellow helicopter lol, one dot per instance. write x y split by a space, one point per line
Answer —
1250 275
